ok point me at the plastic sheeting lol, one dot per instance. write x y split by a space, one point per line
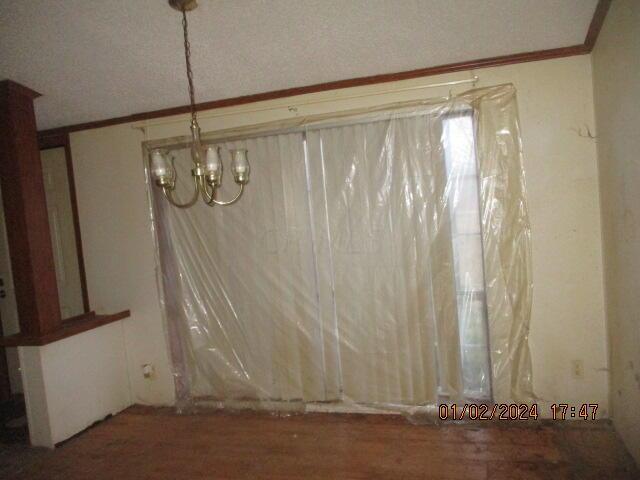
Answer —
380 260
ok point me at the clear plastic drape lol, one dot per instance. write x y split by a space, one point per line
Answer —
376 261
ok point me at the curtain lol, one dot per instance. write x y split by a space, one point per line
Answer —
378 260
384 237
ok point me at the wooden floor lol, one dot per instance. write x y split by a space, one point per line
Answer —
146 443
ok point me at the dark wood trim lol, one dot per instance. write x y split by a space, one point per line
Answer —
596 23
76 225
70 327
14 89
57 140
582 49
61 140
27 223
25 208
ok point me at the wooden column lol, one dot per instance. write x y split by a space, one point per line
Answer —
25 210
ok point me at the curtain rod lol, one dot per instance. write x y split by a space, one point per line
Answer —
472 80
293 107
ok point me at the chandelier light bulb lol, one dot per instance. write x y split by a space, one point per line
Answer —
160 167
213 164
240 166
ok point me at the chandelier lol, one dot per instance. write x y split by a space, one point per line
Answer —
207 165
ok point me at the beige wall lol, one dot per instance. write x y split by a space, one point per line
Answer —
556 111
118 249
73 383
616 66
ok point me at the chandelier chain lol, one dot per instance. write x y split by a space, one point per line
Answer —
187 56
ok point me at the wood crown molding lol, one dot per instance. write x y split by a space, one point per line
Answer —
581 49
596 23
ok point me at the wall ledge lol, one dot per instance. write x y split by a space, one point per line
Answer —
70 327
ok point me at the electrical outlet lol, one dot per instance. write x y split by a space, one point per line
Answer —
148 370
577 369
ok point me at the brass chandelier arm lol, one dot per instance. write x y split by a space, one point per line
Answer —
210 197
168 193
229 202
206 196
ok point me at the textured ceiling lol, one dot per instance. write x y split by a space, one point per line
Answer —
96 59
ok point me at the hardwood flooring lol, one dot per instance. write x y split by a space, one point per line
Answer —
151 443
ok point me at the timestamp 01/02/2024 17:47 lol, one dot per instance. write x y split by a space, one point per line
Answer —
515 411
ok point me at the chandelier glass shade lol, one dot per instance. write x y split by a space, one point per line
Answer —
207 164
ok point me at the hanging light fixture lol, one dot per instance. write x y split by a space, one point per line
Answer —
207 169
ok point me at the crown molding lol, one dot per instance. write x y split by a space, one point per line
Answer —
581 49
